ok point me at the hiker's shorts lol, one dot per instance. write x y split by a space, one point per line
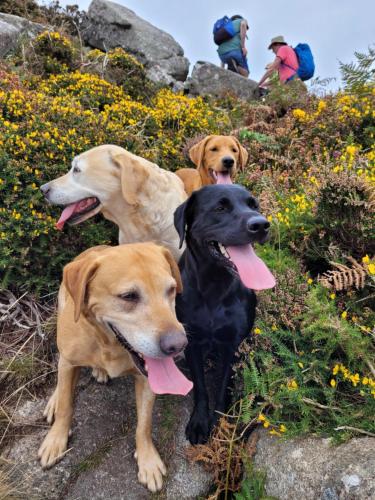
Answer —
237 56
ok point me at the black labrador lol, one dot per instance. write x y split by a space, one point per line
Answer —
219 223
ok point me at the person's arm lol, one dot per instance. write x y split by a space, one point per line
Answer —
243 29
271 68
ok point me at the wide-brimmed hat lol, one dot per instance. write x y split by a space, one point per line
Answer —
277 39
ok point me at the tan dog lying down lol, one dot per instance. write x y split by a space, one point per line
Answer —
132 192
217 158
116 314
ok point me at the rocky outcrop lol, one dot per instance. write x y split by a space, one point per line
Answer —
111 25
15 29
209 79
100 463
314 469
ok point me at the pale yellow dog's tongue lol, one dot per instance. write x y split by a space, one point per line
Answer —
66 214
165 378
71 209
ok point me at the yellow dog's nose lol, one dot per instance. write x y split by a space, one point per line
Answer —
172 343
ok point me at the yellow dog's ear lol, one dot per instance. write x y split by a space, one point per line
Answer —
243 155
133 175
76 277
196 152
174 268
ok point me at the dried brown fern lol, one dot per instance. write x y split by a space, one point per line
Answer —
222 456
345 277
224 453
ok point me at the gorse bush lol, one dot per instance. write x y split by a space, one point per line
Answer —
51 53
120 68
44 123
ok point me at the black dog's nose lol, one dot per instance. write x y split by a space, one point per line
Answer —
227 162
45 188
258 224
173 343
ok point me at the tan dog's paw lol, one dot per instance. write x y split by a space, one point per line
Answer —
52 449
100 375
151 469
50 409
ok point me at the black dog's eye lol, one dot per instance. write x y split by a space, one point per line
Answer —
76 170
234 150
220 208
252 203
130 296
223 206
213 149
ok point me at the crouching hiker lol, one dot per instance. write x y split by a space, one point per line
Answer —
230 36
290 63
286 62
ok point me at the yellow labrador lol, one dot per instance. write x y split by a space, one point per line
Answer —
132 192
116 314
217 158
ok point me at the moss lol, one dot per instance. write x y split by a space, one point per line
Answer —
93 460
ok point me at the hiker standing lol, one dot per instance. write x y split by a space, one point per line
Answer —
230 35
286 62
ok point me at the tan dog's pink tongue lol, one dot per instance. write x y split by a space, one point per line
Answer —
223 178
65 215
165 378
253 271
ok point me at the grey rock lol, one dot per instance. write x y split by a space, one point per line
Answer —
209 79
314 469
111 25
14 30
29 412
100 464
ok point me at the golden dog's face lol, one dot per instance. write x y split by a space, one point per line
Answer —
129 290
218 154
95 179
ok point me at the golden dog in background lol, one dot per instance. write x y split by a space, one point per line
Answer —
217 158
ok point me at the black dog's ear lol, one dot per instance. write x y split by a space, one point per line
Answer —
182 217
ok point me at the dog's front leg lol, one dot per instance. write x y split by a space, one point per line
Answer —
198 428
224 381
150 466
61 405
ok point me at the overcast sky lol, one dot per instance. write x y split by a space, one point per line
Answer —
333 28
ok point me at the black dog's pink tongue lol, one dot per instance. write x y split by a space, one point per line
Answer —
165 378
223 178
253 271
